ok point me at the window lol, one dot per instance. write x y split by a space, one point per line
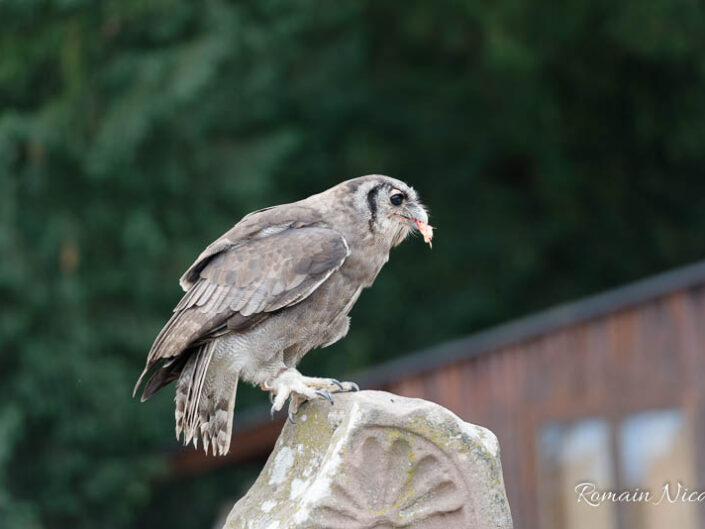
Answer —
654 450
568 455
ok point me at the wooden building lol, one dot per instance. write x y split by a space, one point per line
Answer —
606 390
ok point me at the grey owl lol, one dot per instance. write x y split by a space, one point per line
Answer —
278 284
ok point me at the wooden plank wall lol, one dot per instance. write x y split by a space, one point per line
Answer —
648 356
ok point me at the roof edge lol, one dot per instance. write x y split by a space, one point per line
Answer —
538 323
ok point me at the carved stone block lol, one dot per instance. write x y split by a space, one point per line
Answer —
377 460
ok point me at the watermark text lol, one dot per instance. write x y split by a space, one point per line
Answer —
593 496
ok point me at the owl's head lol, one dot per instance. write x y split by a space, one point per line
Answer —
391 209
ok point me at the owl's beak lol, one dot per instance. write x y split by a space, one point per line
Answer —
418 218
416 213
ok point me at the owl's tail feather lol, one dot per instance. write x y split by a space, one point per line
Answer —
205 401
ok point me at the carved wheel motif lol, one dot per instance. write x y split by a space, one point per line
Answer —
394 479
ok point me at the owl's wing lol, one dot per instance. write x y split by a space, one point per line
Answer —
256 225
244 281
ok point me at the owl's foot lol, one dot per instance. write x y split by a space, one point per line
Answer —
292 385
324 387
330 385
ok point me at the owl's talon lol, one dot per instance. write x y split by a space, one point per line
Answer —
324 393
271 397
293 386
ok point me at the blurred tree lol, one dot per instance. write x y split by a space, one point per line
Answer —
559 146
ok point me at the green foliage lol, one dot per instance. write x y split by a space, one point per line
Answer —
559 146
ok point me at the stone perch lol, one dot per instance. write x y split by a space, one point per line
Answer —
377 460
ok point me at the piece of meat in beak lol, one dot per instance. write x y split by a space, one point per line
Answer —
419 219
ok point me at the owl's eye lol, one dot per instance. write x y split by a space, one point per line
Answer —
397 199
